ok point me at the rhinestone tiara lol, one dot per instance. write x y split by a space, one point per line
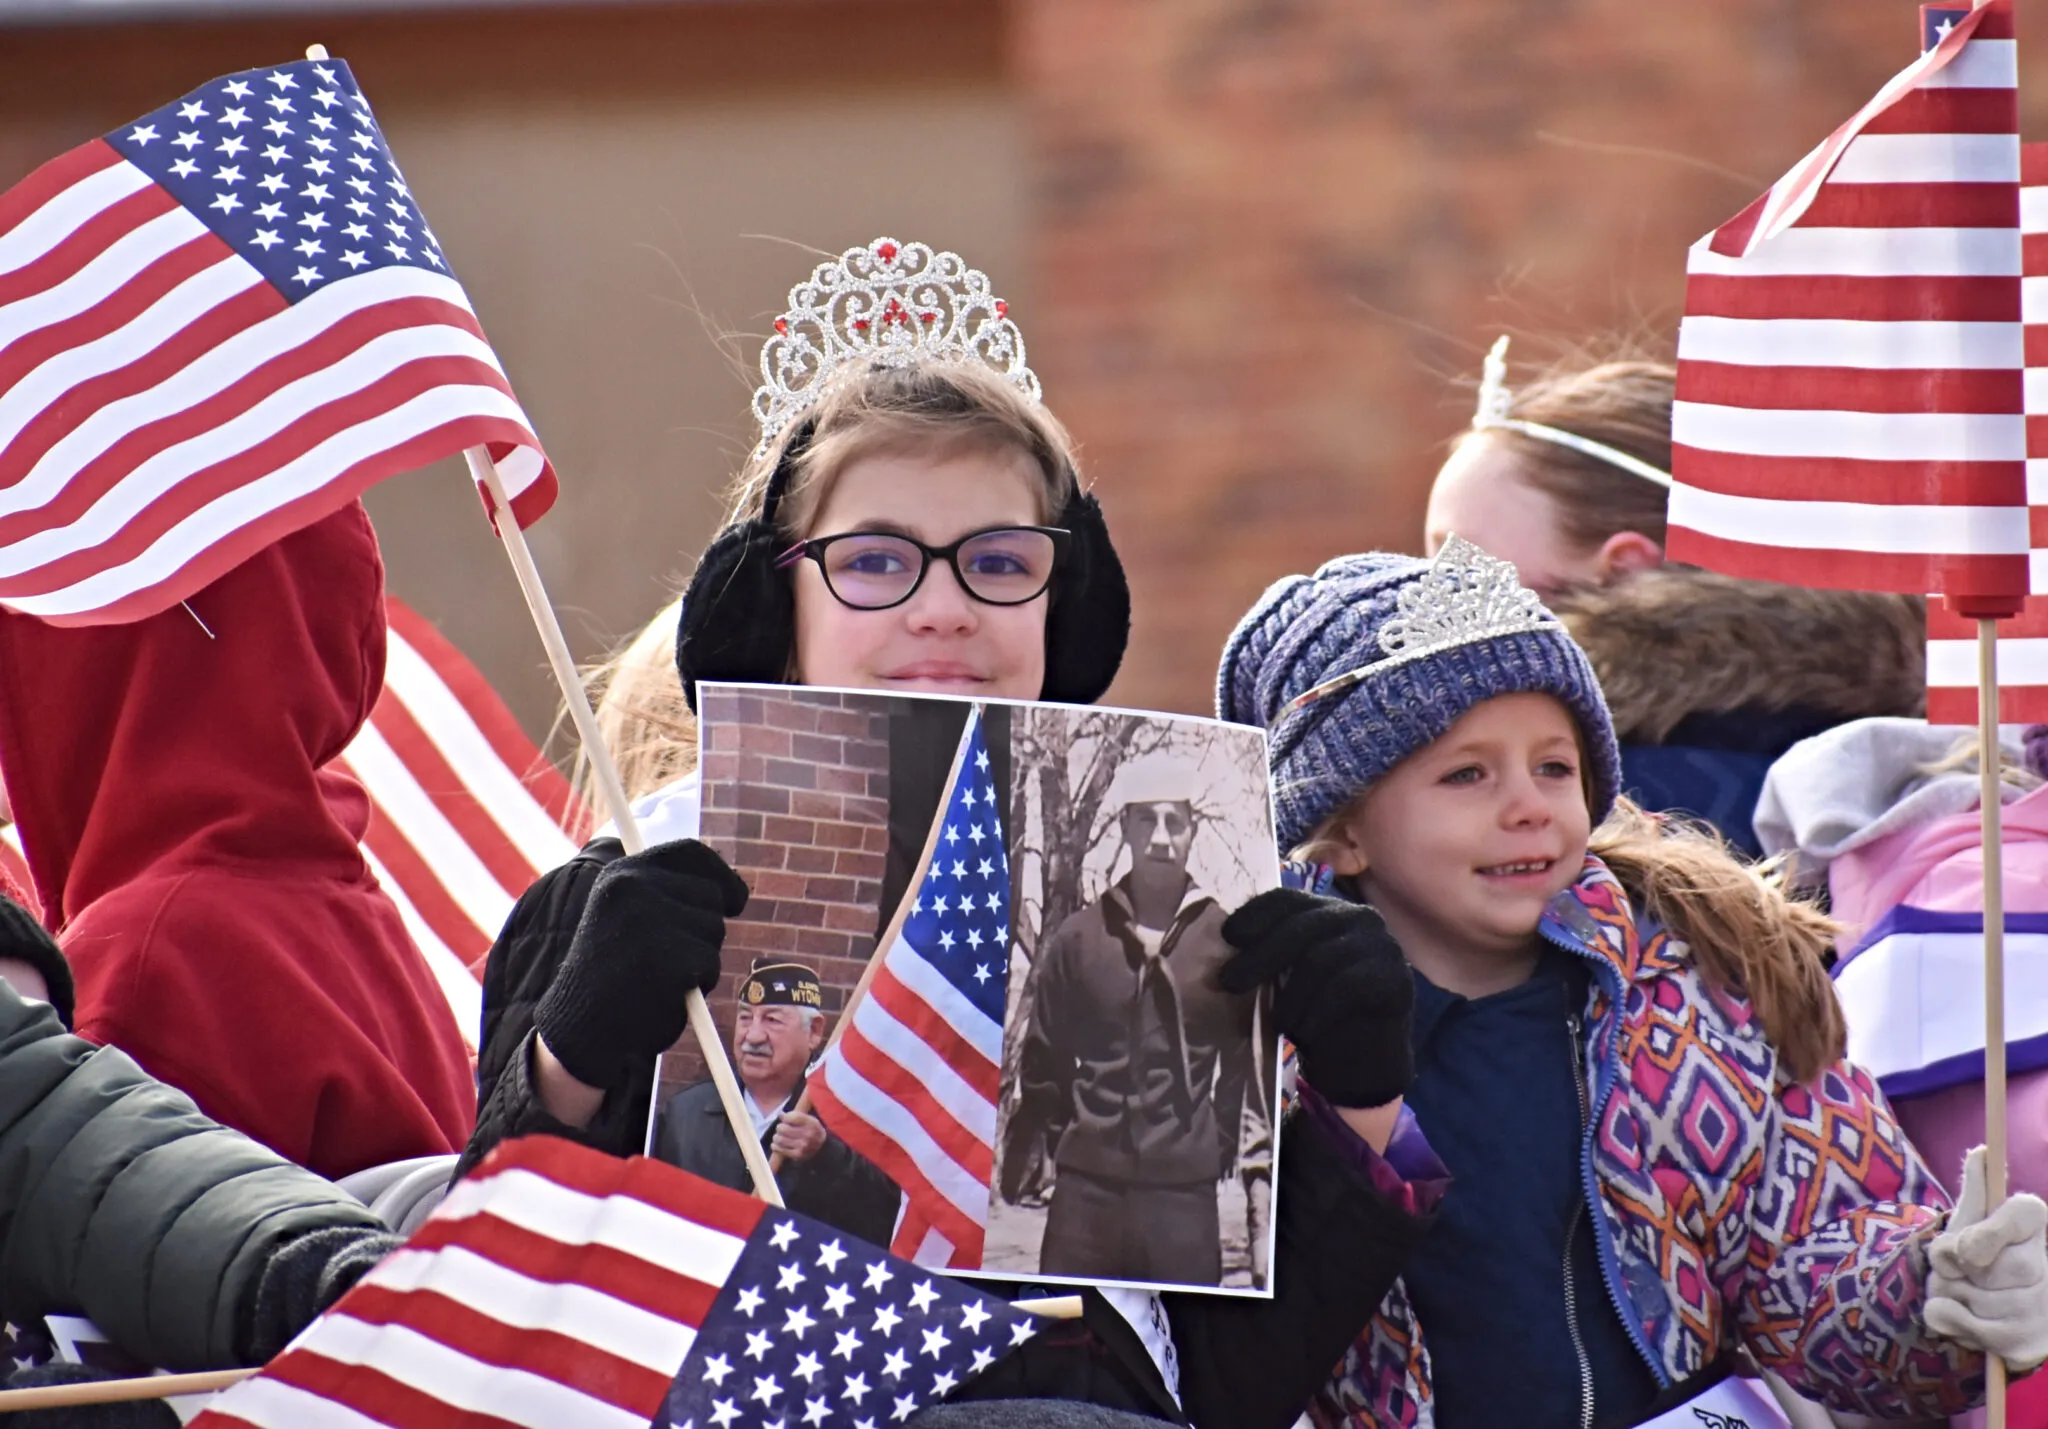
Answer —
1496 401
886 304
1465 596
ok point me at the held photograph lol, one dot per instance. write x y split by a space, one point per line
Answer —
978 1020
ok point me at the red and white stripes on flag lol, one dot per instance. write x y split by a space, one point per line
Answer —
465 812
913 1079
167 406
1849 410
558 1289
2022 641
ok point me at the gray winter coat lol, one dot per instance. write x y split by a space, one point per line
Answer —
120 1200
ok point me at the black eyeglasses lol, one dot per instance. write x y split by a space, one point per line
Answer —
874 570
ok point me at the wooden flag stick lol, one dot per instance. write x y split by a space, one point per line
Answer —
114 1391
613 790
896 919
1990 760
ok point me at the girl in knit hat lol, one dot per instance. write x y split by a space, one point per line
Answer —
1626 1048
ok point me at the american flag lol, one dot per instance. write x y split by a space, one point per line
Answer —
218 324
913 1080
561 1288
2022 641
1850 360
465 813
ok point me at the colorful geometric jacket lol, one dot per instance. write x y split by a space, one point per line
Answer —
1737 1207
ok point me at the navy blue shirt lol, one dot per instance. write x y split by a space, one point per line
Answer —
1497 1093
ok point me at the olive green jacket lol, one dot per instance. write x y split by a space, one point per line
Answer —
120 1200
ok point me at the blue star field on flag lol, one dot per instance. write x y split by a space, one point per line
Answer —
288 167
817 1330
960 918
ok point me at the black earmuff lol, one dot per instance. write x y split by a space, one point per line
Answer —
1089 625
739 613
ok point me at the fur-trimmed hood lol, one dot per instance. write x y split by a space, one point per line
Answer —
1679 641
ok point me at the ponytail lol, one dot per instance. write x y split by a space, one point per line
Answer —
1746 934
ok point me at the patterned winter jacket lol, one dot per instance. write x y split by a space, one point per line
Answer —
1736 1206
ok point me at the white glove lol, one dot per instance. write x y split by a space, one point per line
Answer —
1987 1284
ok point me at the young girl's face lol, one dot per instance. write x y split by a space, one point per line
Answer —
1465 842
941 640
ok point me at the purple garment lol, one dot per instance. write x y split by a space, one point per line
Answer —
1407 1173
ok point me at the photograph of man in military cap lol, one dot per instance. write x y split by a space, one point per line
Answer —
778 1029
1135 1066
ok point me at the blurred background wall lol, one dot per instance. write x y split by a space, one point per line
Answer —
1256 246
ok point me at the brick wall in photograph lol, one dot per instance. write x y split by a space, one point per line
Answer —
796 796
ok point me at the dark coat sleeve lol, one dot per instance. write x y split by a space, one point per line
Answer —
522 963
1045 1071
121 1200
1339 1245
843 1188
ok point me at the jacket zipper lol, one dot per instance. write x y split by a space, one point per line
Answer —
1603 1252
1571 1235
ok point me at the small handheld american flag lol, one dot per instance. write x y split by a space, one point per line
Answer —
1849 364
218 324
913 1081
465 813
560 1288
2022 641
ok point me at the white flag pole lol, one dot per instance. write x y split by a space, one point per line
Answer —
1989 762
613 791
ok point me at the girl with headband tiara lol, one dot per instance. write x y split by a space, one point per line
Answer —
1710 678
1626 1047
913 519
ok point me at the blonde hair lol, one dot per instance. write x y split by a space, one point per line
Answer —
942 406
1744 931
1625 405
646 722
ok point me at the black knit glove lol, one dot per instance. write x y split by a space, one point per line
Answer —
649 934
21 936
304 1277
1342 993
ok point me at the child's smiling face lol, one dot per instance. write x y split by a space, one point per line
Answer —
1464 843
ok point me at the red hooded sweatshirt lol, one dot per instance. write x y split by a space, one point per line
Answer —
200 863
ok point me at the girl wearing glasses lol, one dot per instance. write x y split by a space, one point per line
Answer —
912 519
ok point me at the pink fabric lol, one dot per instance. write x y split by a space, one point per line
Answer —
1945 1125
1940 865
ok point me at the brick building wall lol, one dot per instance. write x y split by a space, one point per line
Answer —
1269 233
796 796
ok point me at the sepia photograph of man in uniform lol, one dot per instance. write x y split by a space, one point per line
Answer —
1135 1065
778 1030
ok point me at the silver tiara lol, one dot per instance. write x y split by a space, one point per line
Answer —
1465 596
887 304
1496 401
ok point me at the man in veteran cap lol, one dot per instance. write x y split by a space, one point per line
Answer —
779 1028
1135 1064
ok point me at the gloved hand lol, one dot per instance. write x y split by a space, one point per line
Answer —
1342 993
649 934
303 1278
1987 1282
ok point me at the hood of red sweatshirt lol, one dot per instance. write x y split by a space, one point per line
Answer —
200 861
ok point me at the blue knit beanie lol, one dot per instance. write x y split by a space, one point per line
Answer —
1448 653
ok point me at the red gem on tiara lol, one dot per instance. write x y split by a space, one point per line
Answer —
896 313
860 324
1002 308
782 326
886 252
